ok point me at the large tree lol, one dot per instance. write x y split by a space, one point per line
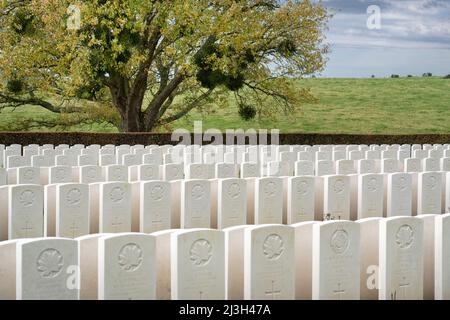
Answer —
151 62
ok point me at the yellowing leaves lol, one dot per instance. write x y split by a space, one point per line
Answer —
256 44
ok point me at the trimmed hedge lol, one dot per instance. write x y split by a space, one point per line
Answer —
71 138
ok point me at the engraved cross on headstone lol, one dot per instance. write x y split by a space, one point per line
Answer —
339 291
301 211
272 292
156 218
73 228
234 215
27 228
196 215
116 223
403 285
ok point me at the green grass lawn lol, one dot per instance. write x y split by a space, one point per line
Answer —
391 106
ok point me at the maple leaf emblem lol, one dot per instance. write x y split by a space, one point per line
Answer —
130 257
273 247
233 190
74 196
372 185
116 194
302 187
29 174
270 189
198 191
50 263
431 182
27 198
339 186
405 236
92 173
201 252
60 173
157 192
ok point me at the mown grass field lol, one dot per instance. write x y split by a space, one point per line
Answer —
388 106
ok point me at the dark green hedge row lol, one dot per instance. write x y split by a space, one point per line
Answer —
71 138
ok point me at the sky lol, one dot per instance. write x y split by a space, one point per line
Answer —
413 38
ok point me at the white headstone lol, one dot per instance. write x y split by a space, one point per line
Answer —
154 212
226 170
115 172
336 261
8 269
412 165
88 262
15 161
163 268
442 257
345 167
198 265
337 197
234 262
431 164
428 254
126 267
59 174
429 192
107 159
28 175
324 167
22 214
445 164
90 174
72 210
195 204
199 171
399 195
47 269
114 207
366 166
172 171
232 202
401 259
304 168
131 160
303 259
144 172
268 200
370 195
249 170
3 177
390 166
300 195
269 261
88 160
369 254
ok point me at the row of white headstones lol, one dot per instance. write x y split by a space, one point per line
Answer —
273 159
375 258
74 209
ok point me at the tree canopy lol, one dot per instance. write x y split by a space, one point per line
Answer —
142 64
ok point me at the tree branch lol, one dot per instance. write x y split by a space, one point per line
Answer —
187 109
17 102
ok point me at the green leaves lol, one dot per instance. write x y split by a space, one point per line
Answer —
15 86
161 55
247 112
23 22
